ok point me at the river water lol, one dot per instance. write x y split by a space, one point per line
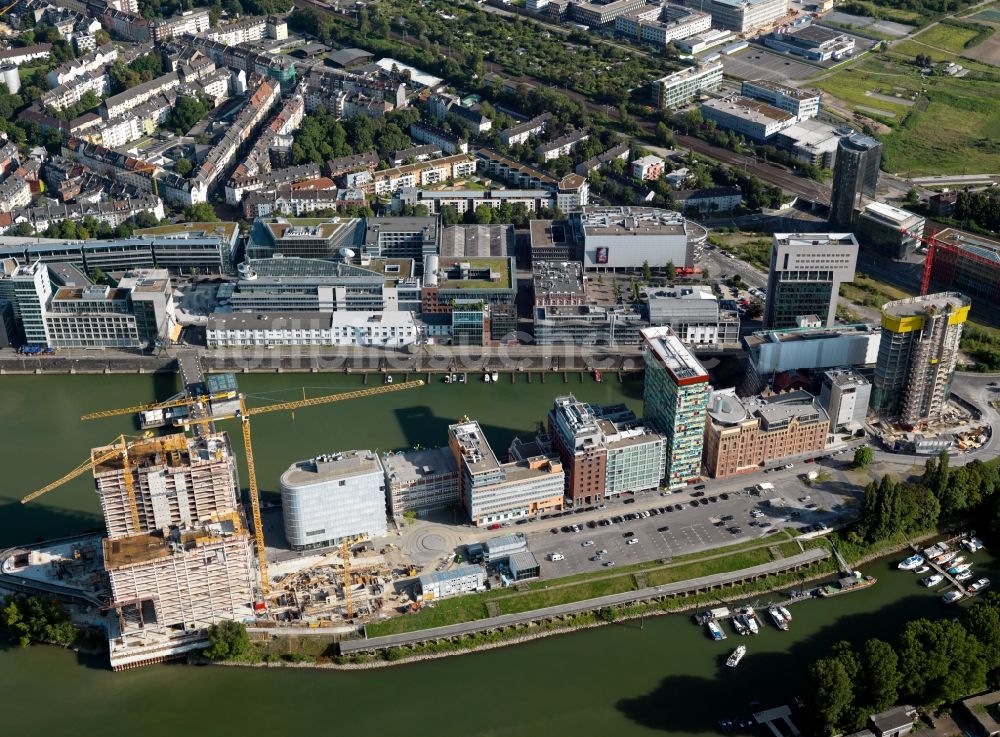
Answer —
663 676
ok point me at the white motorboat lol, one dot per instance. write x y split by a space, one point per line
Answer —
952 596
972 544
955 570
914 561
778 618
785 613
980 585
740 626
945 558
495 376
922 569
715 630
932 581
486 377
964 576
733 660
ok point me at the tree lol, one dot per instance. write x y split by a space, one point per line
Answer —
201 212
483 215
29 619
183 167
670 270
880 678
647 273
755 310
228 640
939 661
828 693
982 620
912 196
186 112
863 457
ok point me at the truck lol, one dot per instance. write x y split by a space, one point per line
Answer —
764 488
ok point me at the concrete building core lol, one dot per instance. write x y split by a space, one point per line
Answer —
917 355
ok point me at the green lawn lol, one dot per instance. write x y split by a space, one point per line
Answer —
954 127
540 594
949 38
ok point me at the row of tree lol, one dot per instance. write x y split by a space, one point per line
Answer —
933 662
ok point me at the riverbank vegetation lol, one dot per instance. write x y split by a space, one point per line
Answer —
30 619
933 662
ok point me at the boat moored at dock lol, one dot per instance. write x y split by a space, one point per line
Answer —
715 630
848 584
911 563
737 655
778 618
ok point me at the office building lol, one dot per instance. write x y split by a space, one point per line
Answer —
812 141
588 324
855 177
674 398
492 491
741 16
709 199
800 103
347 329
605 451
402 237
693 314
806 272
28 290
301 237
917 356
469 281
332 498
420 480
811 42
178 481
601 14
553 240
968 262
771 353
888 231
742 435
558 283
681 87
752 119
703 41
845 396
461 580
658 25
627 237
138 313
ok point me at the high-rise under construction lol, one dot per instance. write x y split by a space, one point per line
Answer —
917 355
187 564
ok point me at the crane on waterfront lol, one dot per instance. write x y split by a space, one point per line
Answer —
243 414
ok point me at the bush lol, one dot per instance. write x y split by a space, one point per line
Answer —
29 619
228 641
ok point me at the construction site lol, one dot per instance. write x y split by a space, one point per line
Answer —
180 552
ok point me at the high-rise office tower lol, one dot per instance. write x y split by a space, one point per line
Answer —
916 358
675 396
807 270
855 176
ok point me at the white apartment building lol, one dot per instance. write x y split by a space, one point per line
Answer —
74 68
683 86
68 94
523 131
423 174
342 328
120 104
562 146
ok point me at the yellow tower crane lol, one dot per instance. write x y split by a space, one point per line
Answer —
244 414
120 447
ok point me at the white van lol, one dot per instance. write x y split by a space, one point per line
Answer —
557 556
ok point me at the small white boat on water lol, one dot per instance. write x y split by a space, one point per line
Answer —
955 570
486 377
964 576
740 626
749 618
945 558
980 585
733 660
388 379
951 597
922 569
778 618
785 613
715 630
972 544
932 581
495 376
914 561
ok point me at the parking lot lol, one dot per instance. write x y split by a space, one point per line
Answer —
679 525
756 63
